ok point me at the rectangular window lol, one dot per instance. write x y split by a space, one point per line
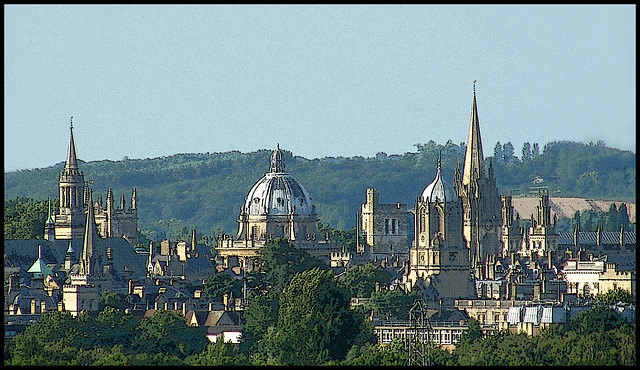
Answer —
386 226
393 226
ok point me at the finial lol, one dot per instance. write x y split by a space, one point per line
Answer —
439 159
474 86
71 123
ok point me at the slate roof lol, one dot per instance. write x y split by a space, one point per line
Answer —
24 252
590 237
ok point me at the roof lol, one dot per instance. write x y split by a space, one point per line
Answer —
590 237
277 193
438 190
23 252
553 315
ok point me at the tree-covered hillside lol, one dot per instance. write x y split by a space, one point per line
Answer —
178 192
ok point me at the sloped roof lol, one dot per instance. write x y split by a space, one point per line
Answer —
24 252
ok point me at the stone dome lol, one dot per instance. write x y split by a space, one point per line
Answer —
438 190
277 192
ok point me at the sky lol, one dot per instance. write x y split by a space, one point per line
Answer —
145 81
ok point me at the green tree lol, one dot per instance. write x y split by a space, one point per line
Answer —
109 298
315 324
166 332
278 260
613 296
598 319
368 354
360 280
260 314
218 354
24 218
472 333
221 283
390 303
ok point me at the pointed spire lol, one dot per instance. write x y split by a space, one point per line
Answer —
86 263
50 219
134 199
39 269
473 159
72 161
193 239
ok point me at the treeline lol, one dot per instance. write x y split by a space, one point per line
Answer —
24 218
206 191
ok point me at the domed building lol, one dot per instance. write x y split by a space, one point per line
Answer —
438 255
276 206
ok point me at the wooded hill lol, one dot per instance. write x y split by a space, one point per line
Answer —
176 193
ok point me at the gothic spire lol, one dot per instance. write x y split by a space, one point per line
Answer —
72 162
87 260
473 159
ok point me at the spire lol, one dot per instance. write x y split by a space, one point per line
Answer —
276 165
72 162
86 263
134 199
50 219
39 269
193 239
473 159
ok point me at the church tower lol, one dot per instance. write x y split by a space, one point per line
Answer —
481 202
438 253
70 220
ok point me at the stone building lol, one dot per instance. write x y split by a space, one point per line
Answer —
384 227
542 237
276 206
438 253
481 203
69 220
596 276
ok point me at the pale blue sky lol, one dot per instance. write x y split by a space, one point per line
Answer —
332 80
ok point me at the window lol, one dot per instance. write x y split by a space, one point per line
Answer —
386 226
446 337
455 335
393 226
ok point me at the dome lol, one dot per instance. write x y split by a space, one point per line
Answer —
277 192
438 190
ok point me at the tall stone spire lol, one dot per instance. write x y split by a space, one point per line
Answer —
87 258
473 158
71 165
71 215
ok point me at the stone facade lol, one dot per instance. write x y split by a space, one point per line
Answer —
384 227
